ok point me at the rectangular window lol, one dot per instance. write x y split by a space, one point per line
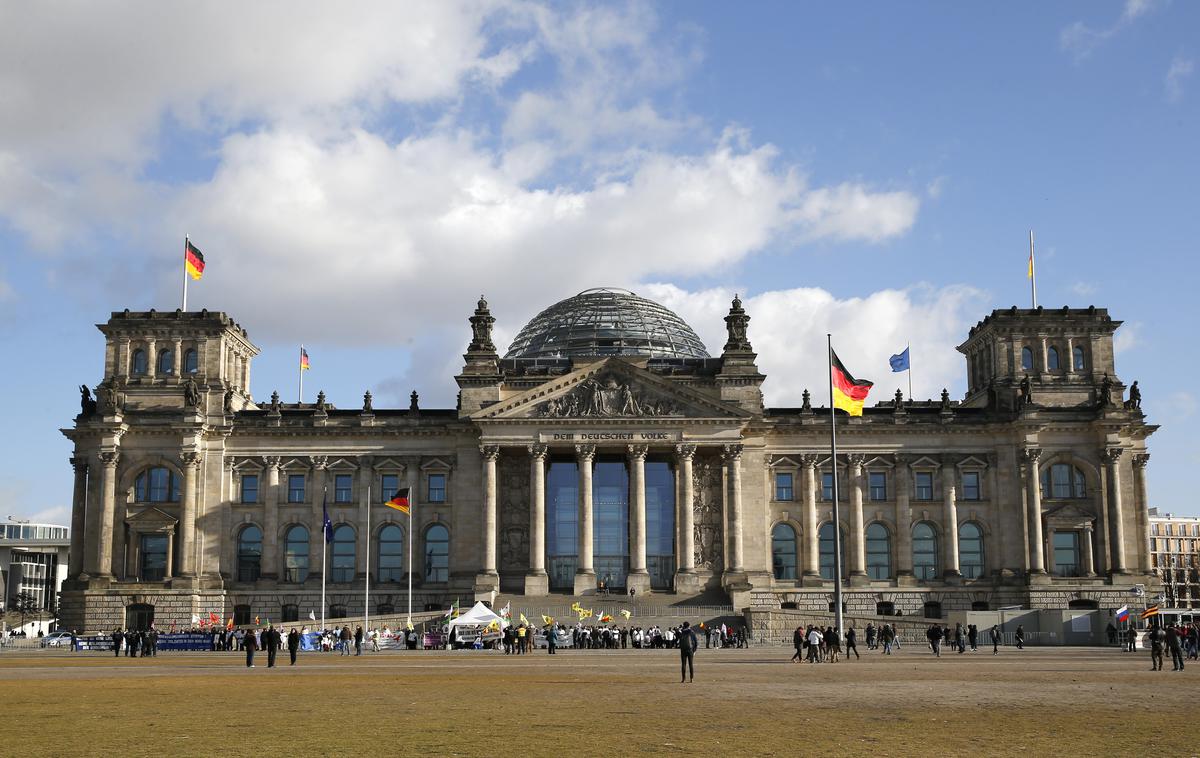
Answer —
343 488
783 486
970 485
1066 553
295 488
924 482
249 488
826 486
389 483
877 480
437 488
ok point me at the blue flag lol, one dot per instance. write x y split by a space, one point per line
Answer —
899 362
327 525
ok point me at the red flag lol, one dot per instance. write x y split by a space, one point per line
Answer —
214 618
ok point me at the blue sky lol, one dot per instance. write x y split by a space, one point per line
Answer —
356 180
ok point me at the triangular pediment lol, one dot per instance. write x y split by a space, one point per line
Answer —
1069 513
610 389
151 517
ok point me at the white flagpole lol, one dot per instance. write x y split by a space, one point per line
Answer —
324 545
837 521
412 504
1032 271
185 272
908 349
367 591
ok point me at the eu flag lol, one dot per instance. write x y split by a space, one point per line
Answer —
899 362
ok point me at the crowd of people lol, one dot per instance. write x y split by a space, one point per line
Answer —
815 644
1182 641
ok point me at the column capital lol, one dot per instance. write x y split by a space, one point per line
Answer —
1031 454
638 451
856 460
271 461
685 451
1111 455
191 459
79 462
228 462
809 460
538 450
1140 460
318 461
585 452
109 458
366 462
732 453
489 452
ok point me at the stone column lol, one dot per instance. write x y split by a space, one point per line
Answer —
1033 483
152 358
687 537
270 554
177 358
187 516
108 509
904 564
78 516
639 577
536 580
1051 565
812 566
950 517
585 572
858 558
733 467
1089 562
316 536
490 454
1112 458
170 574
367 497
1139 486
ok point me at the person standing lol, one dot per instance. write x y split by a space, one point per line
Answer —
1131 639
551 640
271 642
798 643
249 644
116 638
1020 637
973 637
1156 638
687 652
358 639
852 643
1176 647
293 640
344 639
814 644
995 635
887 635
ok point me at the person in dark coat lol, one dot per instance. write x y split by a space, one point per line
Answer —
1156 638
1175 646
249 644
995 635
293 644
116 638
798 643
687 652
358 638
271 641
851 643
1019 636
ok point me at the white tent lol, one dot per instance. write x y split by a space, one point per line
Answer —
480 615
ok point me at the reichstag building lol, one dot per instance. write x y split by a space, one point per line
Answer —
607 447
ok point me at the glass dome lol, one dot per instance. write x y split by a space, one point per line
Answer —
605 321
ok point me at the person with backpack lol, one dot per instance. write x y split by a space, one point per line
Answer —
687 652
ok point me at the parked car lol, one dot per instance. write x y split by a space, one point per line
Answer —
57 639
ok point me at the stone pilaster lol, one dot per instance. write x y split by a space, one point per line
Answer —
187 515
317 498
271 537
639 577
367 497
733 466
904 561
1112 460
108 509
585 572
858 558
78 516
1139 486
812 565
1033 483
537 583
686 580
490 455
950 571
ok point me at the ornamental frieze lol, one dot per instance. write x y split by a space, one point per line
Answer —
606 397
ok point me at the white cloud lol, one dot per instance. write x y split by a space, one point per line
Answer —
1084 289
1182 404
1180 70
788 328
1127 337
1080 40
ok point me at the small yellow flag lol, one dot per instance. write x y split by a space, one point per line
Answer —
625 612
576 607
547 619
524 620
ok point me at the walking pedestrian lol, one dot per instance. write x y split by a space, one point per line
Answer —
358 640
934 635
1131 639
687 652
851 643
250 644
1176 647
1156 638
995 635
1020 637
117 636
293 641
798 643
887 635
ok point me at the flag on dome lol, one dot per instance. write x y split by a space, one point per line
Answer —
193 259
849 393
399 501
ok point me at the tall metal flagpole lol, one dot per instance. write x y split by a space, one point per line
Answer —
1032 271
412 505
907 349
300 369
185 272
324 545
837 520
367 590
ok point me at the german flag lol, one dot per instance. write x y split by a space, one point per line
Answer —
303 359
848 393
1151 611
399 501
193 259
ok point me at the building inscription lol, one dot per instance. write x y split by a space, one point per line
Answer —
609 436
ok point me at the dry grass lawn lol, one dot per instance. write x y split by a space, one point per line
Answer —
1037 702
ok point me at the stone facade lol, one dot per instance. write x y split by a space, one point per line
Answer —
193 498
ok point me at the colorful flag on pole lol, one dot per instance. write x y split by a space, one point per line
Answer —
506 611
625 612
1149 612
604 619
399 501
195 619
229 624
576 607
1123 613
257 622
214 618
303 359
849 393
524 620
899 362
1029 274
193 259
547 620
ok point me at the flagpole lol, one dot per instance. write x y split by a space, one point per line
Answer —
837 521
412 504
367 589
185 272
1032 272
300 369
907 349
324 546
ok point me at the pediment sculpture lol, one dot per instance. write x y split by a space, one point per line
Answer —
607 397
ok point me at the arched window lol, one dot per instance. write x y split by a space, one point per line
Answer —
249 554
156 485
1052 358
166 362
154 557
783 551
139 362
341 565
1026 359
925 552
1063 481
933 610
391 554
190 362
1077 358
295 554
825 544
437 554
879 552
970 551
